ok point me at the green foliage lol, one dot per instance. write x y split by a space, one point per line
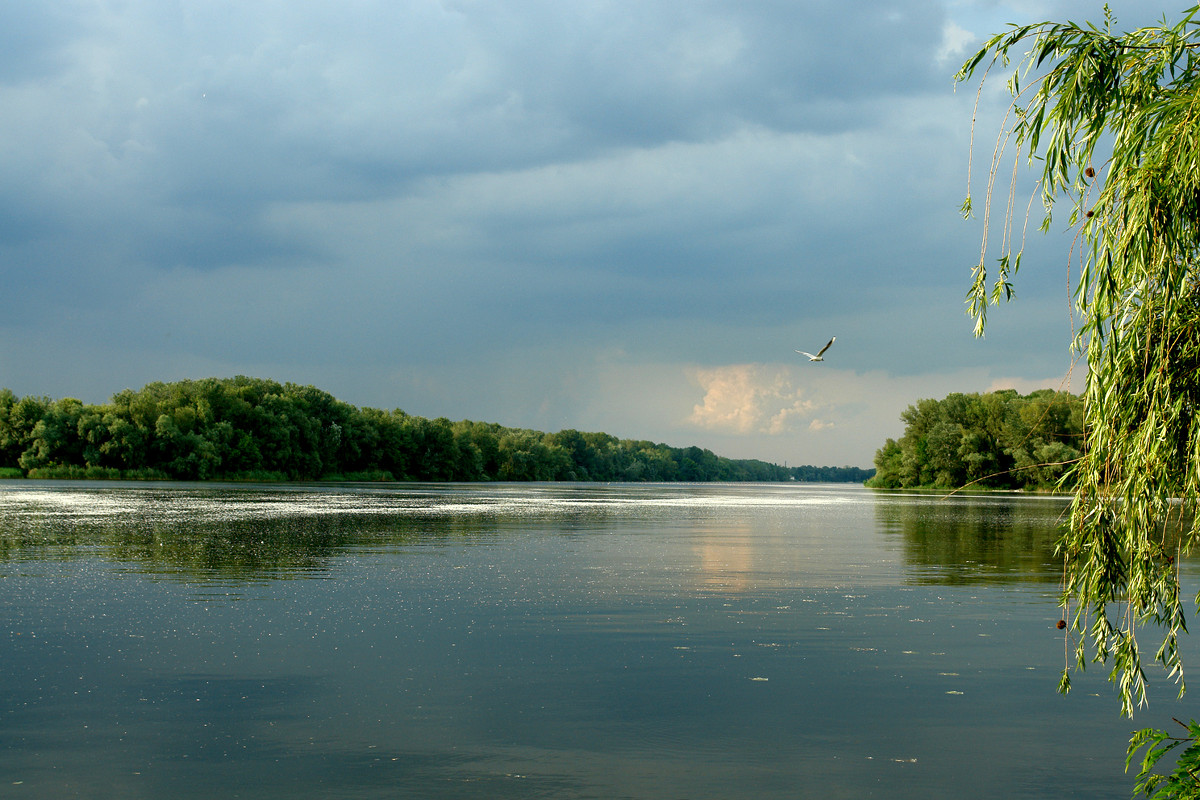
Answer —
252 429
1183 783
998 440
1113 122
76 472
808 472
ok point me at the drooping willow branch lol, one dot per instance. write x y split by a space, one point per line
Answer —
1111 124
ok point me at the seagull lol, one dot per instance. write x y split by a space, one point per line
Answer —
817 357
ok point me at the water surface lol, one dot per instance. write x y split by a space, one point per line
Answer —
545 640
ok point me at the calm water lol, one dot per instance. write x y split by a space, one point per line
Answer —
528 641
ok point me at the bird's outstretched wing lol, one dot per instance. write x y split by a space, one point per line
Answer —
820 353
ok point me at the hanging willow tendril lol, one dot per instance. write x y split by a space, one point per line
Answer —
1112 121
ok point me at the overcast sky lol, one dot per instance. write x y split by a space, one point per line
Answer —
616 216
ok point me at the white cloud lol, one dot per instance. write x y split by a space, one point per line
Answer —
748 398
954 43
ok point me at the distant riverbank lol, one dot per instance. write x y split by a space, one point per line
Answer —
254 429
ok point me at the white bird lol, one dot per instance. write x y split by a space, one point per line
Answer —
817 357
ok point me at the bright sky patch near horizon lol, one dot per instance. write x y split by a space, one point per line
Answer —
609 216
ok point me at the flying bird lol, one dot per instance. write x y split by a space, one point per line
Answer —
818 357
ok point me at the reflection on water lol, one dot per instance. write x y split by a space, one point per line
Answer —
964 538
727 562
517 641
232 532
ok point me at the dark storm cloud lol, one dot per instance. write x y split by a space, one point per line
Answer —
204 102
636 74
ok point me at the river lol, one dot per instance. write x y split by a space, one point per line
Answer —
542 641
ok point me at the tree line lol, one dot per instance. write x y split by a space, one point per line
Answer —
255 429
1001 440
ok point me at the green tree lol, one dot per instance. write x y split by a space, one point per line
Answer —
996 440
1110 119
239 428
889 466
18 417
527 456
55 438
